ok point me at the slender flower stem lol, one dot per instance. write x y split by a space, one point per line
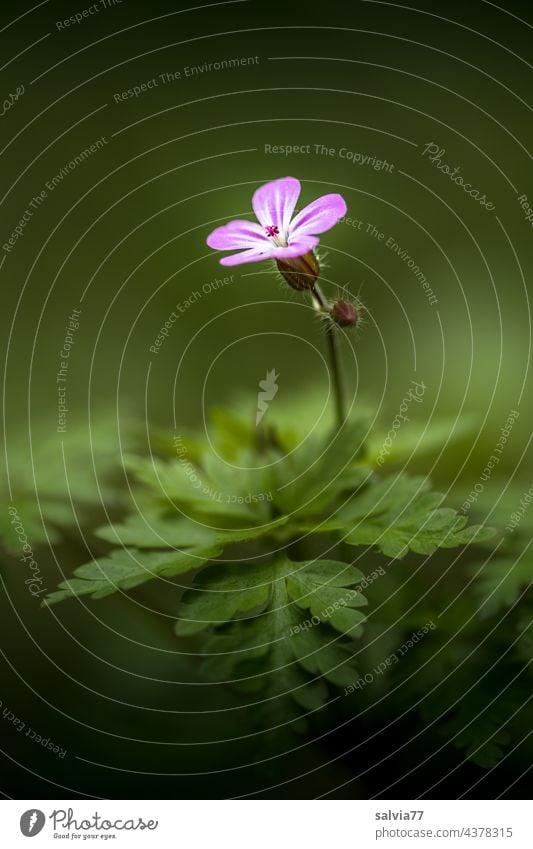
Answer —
320 298
336 372
334 359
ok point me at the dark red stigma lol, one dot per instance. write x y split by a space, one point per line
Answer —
272 230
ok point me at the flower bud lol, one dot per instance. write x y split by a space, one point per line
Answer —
344 313
300 272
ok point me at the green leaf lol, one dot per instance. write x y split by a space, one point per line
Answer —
400 513
152 530
315 587
214 490
260 656
222 594
127 568
323 656
314 475
258 636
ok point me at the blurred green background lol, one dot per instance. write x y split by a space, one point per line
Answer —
121 237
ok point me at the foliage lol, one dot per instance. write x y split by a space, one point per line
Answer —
272 626
402 513
127 568
472 685
251 518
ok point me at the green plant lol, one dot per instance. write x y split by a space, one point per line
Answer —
260 525
275 606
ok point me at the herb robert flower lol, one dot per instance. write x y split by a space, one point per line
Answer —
278 235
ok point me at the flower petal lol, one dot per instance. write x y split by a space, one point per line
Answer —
319 216
298 247
237 234
251 255
274 203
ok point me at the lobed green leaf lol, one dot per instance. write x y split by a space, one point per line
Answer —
400 513
125 569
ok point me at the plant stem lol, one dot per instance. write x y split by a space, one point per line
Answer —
334 359
320 298
336 373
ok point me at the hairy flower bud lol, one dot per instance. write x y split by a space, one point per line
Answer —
344 313
300 272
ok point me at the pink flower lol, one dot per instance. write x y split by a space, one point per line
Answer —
277 235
